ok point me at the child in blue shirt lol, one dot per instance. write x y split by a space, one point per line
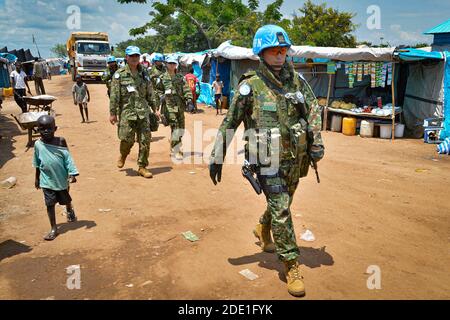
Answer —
55 168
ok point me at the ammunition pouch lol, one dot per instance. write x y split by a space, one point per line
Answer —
299 143
264 147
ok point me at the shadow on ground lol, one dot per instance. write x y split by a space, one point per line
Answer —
10 248
310 257
8 130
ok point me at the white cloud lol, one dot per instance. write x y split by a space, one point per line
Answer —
407 37
46 19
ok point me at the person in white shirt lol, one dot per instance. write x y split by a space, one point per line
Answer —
19 84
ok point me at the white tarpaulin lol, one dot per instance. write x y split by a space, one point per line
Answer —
189 58
343 54
229 51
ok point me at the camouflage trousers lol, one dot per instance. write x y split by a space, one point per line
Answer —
177 125
139 131
279 190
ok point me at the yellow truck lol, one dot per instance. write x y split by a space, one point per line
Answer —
88 52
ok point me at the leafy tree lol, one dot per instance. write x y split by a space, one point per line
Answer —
59 50
201 20
421 45
196 25
321 26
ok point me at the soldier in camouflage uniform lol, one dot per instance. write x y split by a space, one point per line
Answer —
156 72
109 73
277 104
177 94
131 101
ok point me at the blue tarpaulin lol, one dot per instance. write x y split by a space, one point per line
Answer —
411 54
224 72
446 132
197 70
206 96
8 56
5 58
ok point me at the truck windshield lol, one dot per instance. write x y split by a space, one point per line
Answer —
93 48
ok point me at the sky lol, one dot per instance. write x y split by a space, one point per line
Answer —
401 22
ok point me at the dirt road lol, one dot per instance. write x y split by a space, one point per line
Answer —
379 204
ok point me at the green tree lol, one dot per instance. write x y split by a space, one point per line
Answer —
197 25
59 50
318 25
421 45
199 20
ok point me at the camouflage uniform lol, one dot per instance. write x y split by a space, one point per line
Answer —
177 92
107 79
156 73
264 106
131 100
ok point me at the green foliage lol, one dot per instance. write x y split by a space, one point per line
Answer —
196 25
59 50
421 45
321 26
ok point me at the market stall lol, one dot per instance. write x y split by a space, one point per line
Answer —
425 90
360 82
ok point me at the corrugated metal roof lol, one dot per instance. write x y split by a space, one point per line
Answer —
442 28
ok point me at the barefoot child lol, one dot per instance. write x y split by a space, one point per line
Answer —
81 96
218 87
54 170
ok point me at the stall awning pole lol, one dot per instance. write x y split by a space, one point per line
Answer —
324 124
393 101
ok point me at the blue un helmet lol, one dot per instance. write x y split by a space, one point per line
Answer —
270 36
172 59
111 59
131 50
158 57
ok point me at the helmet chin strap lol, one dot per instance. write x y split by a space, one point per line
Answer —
270 67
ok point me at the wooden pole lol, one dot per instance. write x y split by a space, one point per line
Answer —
324 125
393 101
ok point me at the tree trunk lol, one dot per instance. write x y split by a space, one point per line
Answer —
199 26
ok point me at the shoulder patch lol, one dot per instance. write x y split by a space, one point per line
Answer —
247 75
245 89
117 75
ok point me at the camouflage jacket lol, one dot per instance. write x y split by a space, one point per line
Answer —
176 90
260 102
107 78
131 96
156 73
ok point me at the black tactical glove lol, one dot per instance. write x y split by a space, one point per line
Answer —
317 153
215 171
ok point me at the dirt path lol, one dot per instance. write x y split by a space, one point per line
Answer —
373 207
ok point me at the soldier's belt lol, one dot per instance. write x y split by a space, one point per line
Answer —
276 189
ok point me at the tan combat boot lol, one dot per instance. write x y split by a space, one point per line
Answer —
294 279
121 161
262 232
145 172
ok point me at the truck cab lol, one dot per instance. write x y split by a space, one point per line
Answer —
88 53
